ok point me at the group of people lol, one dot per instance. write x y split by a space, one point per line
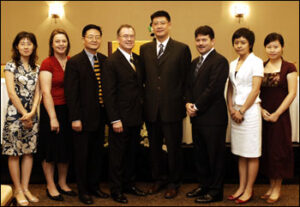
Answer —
83 93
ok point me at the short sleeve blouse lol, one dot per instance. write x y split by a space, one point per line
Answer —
52 65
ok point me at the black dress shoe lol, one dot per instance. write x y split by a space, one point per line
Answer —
207 198
99 194
171 193
119 197
197 192
134 191
55 198
86 199
69 193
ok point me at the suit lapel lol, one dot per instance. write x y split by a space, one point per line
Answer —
124 61
88 65
205 63
166 53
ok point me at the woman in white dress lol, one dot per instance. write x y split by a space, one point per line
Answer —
245 76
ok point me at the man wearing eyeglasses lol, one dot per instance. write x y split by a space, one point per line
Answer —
165 63
122 88
83 91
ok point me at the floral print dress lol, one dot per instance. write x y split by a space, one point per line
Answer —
16 139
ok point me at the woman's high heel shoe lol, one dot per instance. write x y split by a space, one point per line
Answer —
265 197
30 197
239 201
270 200
22 202
231 198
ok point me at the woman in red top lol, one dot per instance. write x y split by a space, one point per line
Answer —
55 130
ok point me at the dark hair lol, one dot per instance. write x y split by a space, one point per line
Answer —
55 32
91 26
15 52
273 37
160 13
124 26
205 30
246 33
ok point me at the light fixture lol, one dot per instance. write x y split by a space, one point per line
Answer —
239 10
56 10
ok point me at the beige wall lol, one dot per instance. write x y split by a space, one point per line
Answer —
264 17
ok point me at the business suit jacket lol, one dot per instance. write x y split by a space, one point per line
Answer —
123 90
81 91
165 80
207 90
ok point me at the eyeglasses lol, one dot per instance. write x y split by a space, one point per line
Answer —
91 37
127 36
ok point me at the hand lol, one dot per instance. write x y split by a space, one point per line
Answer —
265 114
77 126
27 124
273 117
237 117
191 109
118 127
54 124
26 116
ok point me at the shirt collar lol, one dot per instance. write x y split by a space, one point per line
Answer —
126 54
90 56
206 54
164 43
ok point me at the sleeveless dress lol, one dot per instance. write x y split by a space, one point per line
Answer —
277 159
16 139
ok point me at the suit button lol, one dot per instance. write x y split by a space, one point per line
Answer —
158 77
158 88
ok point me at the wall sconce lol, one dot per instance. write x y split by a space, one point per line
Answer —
56 10
239 10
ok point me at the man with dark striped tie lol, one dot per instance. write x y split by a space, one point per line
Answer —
83 91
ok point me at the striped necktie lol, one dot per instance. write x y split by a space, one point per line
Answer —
161 50
198 66
132 63
97 72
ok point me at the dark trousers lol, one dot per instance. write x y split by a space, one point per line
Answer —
209 149
122 156
172 133
88 153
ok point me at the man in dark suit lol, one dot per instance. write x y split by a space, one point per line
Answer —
86 112
123 90
165 64
207 108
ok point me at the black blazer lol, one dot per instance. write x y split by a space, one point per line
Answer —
207 90
81 91
122 89
164 80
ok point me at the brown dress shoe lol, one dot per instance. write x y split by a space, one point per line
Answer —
155 188
171 193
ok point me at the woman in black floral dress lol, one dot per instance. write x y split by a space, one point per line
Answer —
21 123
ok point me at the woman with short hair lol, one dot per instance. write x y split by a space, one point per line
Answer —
245 76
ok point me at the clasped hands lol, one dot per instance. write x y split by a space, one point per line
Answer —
190 109
27 120
269 117
236 116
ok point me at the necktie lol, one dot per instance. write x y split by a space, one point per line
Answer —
161 50
198 66
132 63
97 72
